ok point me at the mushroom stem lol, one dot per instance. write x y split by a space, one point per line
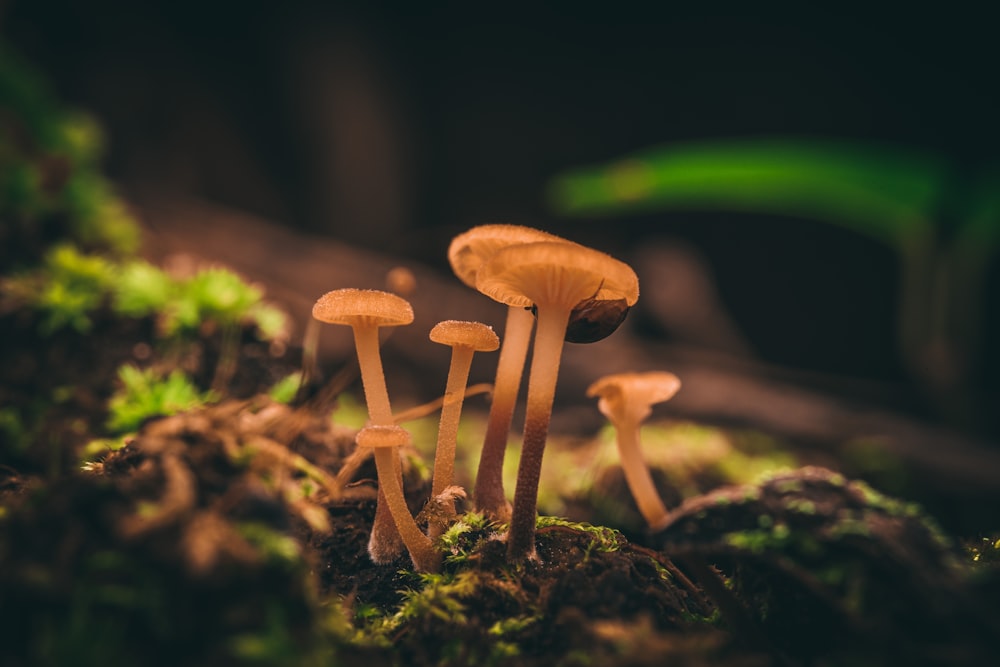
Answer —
384 544
637 474
451 412
425 557
372 375
544 372
489 492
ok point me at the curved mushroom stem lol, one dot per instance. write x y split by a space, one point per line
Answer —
489 492
384 544
637 475
541 392
425 557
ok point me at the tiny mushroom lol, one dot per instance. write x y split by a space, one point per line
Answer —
467 254
386 441
626 400
365 311
465 339
553 277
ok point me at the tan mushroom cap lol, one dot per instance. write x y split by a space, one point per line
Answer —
383 436
352 306
532 273
470 250
457 333
634 392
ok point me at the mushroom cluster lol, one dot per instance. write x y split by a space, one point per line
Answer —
562 290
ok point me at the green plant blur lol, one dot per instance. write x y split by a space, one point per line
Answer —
944 229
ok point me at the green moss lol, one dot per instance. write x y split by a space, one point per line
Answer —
142 290
900 508
145 394
602 538
776 537
801 506
439 598
100 218
66 289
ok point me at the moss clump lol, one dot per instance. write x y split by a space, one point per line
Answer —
868 564
145 394
480 610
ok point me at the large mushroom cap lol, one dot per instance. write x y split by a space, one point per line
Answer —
633 392
362 306
470 250
383 436
553 272
456 333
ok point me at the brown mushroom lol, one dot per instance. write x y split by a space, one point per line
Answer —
386 441
467 254
465 339
554 278
625 399
365 311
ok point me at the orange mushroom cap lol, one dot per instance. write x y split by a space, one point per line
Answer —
475 335
561 272
631 395
366 307
471 249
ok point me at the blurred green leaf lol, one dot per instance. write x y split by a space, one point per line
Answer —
983 217
888 194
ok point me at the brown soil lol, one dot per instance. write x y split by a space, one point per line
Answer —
208 539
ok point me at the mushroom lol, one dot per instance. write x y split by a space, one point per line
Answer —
467 254
553 277
386 441
465 339
626 400
365 311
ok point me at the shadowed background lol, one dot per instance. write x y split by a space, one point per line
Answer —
391 128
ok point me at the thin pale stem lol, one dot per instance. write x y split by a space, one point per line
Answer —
541 392
640 481
489 492
451 413
425 557
372 376
384 544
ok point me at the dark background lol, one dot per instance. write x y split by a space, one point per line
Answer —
396 126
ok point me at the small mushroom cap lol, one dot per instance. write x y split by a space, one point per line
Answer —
470 250
456 333
553 272
631 394
383 436
363 307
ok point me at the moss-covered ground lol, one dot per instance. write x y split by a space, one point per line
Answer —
172 492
